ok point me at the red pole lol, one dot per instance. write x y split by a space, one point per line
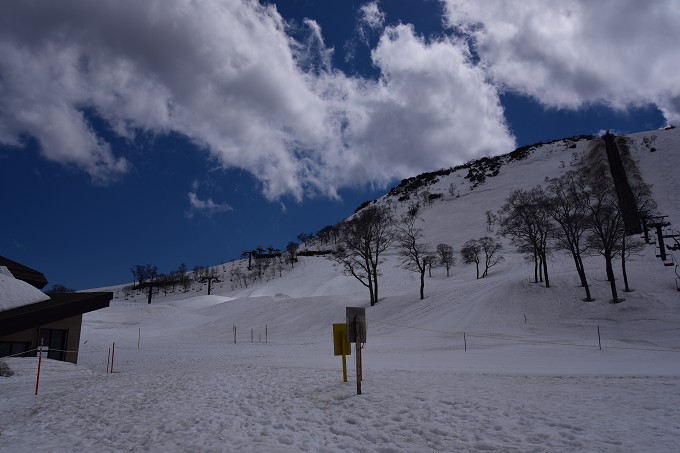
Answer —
37 379
113 353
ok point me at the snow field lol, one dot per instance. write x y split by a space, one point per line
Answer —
542 385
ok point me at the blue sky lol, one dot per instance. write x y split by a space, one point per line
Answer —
164 132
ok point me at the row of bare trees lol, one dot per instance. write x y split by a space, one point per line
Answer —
577 213
362 239
146 277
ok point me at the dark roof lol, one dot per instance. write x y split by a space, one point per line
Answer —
59 306
25 273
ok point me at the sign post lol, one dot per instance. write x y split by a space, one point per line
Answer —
356 333
341 346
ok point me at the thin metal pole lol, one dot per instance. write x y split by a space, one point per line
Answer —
37 379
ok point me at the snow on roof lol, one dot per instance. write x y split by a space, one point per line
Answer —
16 293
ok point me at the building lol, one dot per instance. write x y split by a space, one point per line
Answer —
28 316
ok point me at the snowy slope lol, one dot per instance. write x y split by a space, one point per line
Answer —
540 384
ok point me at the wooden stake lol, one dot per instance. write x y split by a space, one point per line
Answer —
108 361
464 341
344 358
113 353
265 333
357 347
599 340
139 337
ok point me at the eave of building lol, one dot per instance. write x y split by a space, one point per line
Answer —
25 273
59 306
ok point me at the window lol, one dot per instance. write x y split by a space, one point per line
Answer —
55 340
14 348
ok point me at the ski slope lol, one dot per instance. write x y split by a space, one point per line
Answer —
462 370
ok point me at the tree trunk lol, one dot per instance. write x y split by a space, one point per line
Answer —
422 284
477 270
375 287
625 275
535 268
545 269
610 277
623 264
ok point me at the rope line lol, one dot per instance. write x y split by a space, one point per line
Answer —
524 340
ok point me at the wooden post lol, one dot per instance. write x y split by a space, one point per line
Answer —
357 347
37 379
344 357
464 342
108 361
265 333
113 353
525 319
139 337
234 329
599 340
251 335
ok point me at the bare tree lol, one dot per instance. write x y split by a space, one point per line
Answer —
446 256
140 273
364 238
291 251
490 219
453 190
430 262
59 288
606 226
567 207
627 249
279 265
524 218
471 253
304 238
414 252
491 248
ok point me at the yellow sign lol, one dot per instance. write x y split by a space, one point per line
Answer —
341 346
340 343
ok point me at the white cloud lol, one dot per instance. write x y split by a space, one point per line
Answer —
205 207
371 15
226 75
571 53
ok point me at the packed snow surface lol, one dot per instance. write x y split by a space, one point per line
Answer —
496 364
16 293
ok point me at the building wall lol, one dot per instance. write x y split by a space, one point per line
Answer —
72 324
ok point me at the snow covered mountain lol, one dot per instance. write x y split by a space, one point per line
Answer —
499 363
